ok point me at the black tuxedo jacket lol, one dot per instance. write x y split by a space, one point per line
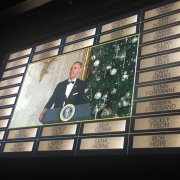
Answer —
76 95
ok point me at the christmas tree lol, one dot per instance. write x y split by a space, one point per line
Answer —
110 80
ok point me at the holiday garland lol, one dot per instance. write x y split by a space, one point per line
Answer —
110 79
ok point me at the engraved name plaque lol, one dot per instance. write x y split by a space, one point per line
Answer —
9 91
59 130
118 34
45 55
161 122
160 34
11 81
158 105
14 72
161 46
17 63
119 23
162 10
20 53
102 143
4 123
48 45
1 134
22 133
56 145
104 127
5 112
159 89
18 147
157 141
7 101
78 45
160 60
159 74
81 35
162 21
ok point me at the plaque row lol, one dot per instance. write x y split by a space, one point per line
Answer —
101 127
97 143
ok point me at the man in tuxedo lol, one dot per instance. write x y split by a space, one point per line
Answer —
70 91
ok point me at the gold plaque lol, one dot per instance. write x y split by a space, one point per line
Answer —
160 74
5 112
161 46
4 123
20 53
9 91
160 34
81 35
59 130
104 127
56 145
162 21
158 105
160 60
102 143
22 133
48 45
157 141
7 101
162 122
44 55
67 112
117 34
162 10
1 134
11 81
17 63
119 23
19 147
78 45
14 72
159 89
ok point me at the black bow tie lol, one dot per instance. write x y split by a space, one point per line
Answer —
70 82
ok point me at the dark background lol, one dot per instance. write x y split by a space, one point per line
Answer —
20 30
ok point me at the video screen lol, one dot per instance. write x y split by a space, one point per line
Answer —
106 82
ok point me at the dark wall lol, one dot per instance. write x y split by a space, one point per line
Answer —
59 17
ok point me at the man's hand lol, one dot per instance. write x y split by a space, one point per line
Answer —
42 114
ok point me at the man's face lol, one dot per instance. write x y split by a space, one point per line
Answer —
75 69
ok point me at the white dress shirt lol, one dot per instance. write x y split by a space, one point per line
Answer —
69 88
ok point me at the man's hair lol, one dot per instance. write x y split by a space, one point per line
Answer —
78 62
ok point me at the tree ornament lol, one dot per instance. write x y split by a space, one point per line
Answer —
125 103
123 98
106 113
113 72
115 116
104 97
86 90
96 63
96 110
134 40
125 73
128 95
98 78
93 57
114 90
120 104
108 67
125 77
97 95
117 50
102 106
93 71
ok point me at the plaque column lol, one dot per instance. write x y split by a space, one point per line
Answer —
156 112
